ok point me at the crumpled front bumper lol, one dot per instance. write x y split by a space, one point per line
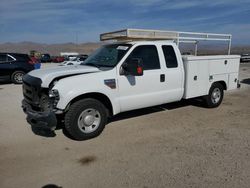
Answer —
43 120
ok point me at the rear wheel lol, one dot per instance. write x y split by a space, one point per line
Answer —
215 96
86 119
17 77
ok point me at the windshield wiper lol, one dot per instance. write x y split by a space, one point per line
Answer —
98 65
106 65
92 64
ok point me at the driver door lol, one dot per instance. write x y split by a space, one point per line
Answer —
142 91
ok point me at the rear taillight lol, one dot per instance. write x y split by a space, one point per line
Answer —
32 61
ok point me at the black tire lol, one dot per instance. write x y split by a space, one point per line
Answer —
215 96
79 115
17 77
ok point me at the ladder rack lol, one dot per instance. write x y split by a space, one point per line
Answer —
176 36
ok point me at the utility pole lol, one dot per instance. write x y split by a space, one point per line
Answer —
76 41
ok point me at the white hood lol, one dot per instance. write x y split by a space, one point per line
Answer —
47 75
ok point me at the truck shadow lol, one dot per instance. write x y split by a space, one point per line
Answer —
43 132
51 186
159 108
246 81
125 115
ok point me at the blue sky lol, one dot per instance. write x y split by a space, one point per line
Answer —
55 21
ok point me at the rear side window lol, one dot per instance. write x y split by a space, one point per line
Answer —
149 56
21 57
170 56
9 59
2 58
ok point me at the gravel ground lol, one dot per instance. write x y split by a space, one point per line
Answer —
174 145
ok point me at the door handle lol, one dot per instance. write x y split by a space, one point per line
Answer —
162 78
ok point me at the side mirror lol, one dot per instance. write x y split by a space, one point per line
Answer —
133 67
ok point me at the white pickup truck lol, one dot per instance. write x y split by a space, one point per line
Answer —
142 69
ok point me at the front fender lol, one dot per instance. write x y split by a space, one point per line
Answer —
73 87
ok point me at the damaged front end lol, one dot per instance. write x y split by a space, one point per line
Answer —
39 104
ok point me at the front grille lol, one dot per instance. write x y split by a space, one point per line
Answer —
28 92
32 90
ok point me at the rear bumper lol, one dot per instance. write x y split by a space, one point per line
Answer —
43 120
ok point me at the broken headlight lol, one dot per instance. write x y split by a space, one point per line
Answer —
54 97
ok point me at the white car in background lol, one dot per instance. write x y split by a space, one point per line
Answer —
74 61
245 58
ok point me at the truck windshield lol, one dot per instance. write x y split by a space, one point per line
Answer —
107 55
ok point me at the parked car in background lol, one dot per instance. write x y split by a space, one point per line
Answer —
75 61
58 59
67 54
36 61
83 57
245 58
13 66
45 58
71 57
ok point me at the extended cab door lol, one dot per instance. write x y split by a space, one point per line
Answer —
173 71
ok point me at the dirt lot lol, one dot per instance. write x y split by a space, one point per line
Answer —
175 145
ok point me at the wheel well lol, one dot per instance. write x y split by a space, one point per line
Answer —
223 83
15 70
98 96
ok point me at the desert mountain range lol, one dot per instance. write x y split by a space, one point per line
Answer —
87 48
53 49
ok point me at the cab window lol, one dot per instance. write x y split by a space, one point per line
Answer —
149 56
170 57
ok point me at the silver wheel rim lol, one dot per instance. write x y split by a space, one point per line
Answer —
89 120
216 95
18 77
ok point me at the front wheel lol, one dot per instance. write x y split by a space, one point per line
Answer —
17 77
86 119
215 96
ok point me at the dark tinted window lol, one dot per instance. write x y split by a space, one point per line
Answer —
2 58
170 57
46 55
21 57
149 56
9 59
82 58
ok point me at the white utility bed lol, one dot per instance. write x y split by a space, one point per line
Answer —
201 71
